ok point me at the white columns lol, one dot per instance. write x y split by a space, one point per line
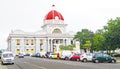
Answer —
64 42
51 45
37 45
45 45
22 49
48 48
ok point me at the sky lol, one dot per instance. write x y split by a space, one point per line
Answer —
28 15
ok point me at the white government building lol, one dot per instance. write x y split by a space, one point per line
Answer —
53 32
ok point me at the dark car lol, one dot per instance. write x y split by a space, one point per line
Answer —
101 57
27 55
37 54
0 55
47 54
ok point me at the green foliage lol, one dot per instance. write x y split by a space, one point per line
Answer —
69 47
87 45
112 33
107 38
83 36
98 41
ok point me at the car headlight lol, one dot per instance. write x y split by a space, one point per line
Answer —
4 59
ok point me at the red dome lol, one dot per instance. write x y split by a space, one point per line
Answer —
53 14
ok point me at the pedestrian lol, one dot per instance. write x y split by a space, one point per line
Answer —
58 55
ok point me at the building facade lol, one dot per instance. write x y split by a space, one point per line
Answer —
53 32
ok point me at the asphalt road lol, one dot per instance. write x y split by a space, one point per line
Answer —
42 63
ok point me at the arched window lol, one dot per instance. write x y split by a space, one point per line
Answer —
57 31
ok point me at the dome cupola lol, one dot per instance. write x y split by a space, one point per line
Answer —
53 14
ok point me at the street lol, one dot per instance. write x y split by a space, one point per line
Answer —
43 63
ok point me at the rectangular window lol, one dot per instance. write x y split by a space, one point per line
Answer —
18 51
41 42
26 42
32 42
27 51
18 42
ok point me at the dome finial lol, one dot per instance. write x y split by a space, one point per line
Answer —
53 5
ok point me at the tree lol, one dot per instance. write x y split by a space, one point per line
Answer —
87 45
83 36
98 41
112 33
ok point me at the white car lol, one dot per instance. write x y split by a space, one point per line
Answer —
86 57
66 54
53 56
21 55
7 57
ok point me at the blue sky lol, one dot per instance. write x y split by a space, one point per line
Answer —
28 15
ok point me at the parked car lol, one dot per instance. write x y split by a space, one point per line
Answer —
53 56
86 57
7 57
27 55
37 54
65 55
75 57
47 54
21 55
0 54
100 57
42 54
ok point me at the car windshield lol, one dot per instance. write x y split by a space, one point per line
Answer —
7 55
53 54
77 54
106 55
20 54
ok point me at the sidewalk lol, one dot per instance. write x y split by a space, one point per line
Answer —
2 67
118 59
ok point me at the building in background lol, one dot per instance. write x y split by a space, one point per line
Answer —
53 32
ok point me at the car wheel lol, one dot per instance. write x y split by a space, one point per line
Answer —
113 61
66 58
2 63
50 57
96 61
84 60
